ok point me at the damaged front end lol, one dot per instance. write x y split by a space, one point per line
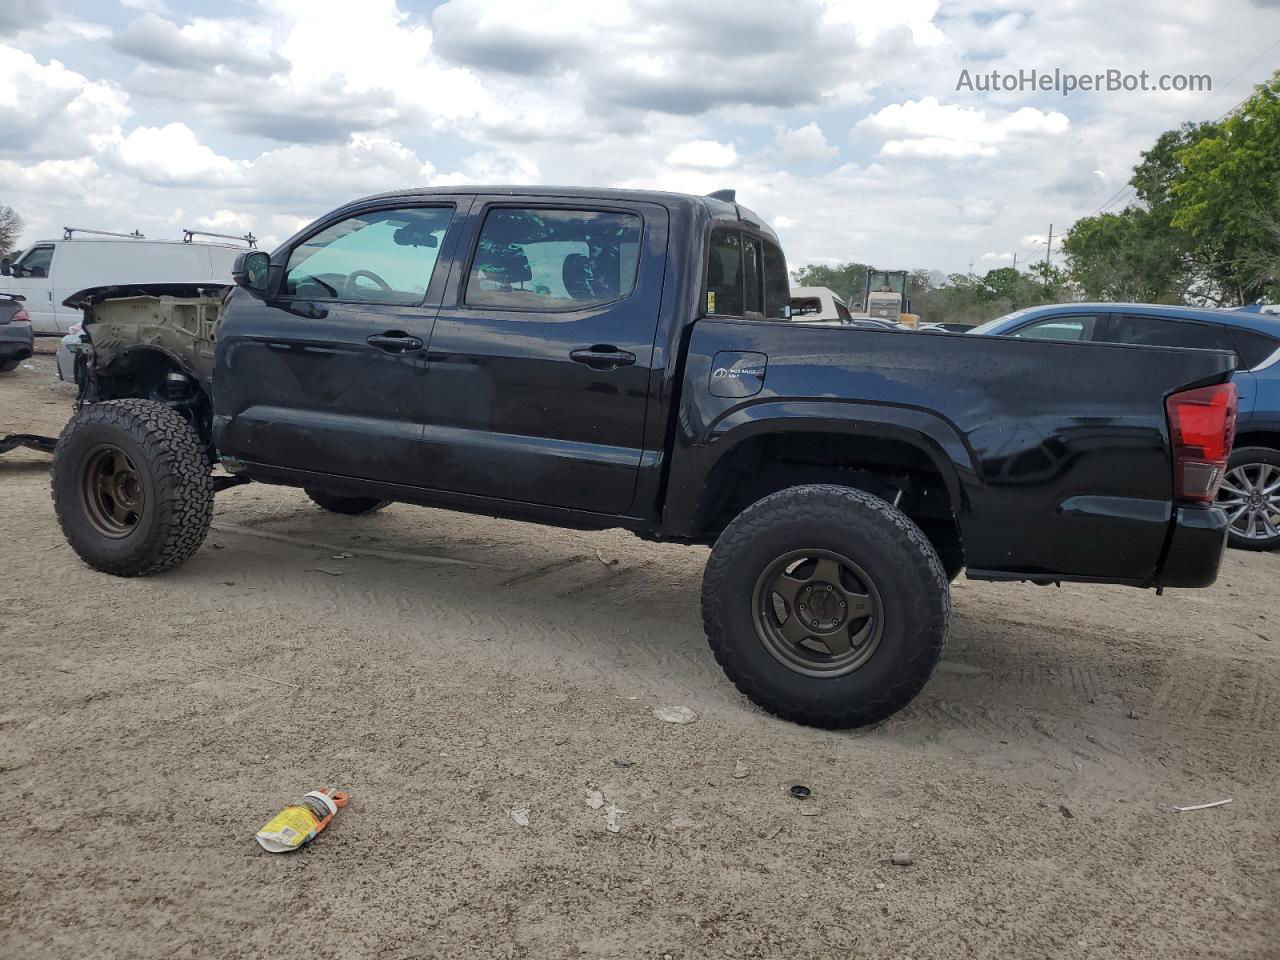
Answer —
151 341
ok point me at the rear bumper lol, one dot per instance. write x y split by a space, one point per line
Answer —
1195 548
16 341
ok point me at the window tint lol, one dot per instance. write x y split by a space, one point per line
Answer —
554 259
1075 327
1252 347
724 273
385 256
1164 332
752 269
777 286
36 262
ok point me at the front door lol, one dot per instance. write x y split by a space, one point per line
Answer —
542 352
32 277
325 373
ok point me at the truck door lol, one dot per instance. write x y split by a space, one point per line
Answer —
32 277
541 356
324 374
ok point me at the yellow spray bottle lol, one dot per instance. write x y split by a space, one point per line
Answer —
299 822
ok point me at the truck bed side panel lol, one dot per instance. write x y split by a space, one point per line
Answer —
1057 454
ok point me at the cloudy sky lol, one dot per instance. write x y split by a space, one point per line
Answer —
838 120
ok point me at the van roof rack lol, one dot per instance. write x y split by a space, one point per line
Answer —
248 238
68 231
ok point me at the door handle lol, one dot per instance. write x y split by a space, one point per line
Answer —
603 356
395 342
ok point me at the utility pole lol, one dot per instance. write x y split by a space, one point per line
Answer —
1015 261
1047 250
971 267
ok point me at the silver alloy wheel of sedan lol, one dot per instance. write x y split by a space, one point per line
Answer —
1251 496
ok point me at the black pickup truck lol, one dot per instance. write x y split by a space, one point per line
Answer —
604 358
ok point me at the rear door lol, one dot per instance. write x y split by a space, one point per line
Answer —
542 351
326 373
1157 331
32 277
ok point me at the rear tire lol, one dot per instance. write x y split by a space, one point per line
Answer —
1250 472
131 487
878 562
351 506
9 365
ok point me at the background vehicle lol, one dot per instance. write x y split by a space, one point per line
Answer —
818 303
601 358
16 341
885 297
51 270
1251 492
822 305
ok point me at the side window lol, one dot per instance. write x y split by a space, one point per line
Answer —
777 286
752 271
36 263
385 256
542 259
1073 327
724 273
1164 332
1252 348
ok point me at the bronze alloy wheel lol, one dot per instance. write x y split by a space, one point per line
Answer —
112 487
818 613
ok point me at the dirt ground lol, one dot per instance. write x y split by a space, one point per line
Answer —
450 669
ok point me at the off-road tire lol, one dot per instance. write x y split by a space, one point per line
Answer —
1240 457
177 487
351 506
885 543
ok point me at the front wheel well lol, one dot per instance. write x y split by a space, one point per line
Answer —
148 373
894 470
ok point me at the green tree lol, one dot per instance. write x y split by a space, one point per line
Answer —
1134 255
847 280
1226 194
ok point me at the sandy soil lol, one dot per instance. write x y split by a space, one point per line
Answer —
454 668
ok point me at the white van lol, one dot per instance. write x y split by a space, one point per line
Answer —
51 270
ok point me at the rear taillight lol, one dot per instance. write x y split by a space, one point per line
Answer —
1202 426
20 316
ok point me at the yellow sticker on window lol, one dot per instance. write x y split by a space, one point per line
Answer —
711 301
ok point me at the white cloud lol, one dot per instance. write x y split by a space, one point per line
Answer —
993 257
48 110
807 143
708 154
930 128
173 156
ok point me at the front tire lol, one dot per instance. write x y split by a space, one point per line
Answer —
131 487
1250 494
351 506
826 606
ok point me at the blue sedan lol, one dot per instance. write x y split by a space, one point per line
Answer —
1251 490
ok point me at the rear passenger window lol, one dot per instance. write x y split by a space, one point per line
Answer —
1074 327
724 273
777 286
384 256
541 259
1252 347
1163 332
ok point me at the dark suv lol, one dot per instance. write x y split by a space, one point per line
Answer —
1251 491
